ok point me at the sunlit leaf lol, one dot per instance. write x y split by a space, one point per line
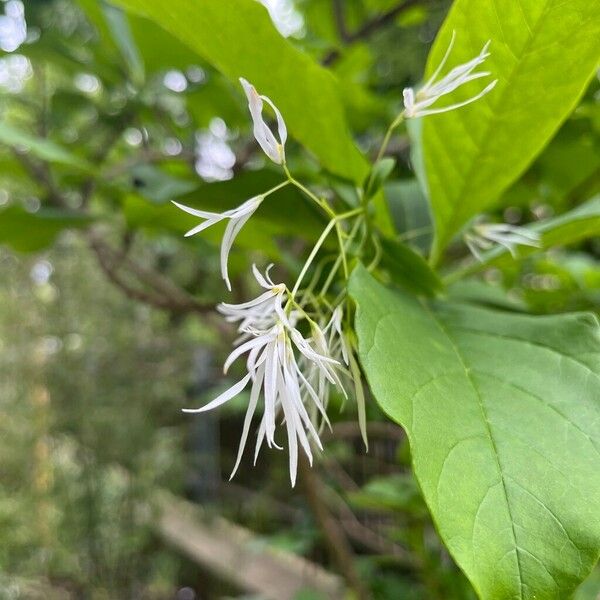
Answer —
239 39
544 54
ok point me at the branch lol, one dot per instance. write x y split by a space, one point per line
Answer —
340 22
337 543
163 293
160 291
367 29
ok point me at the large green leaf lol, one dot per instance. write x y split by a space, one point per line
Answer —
503 415
408 269
544 54
239 39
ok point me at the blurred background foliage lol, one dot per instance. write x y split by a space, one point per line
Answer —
106 323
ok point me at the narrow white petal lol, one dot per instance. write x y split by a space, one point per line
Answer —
208 223
441 65
197 213
233 391
292 441
435 111
254 343
270 389
262 280
409 101
224 307
260 436
256 385
263 135
313 395
281 128
233 228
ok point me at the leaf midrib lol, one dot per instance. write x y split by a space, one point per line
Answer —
488 427
482 146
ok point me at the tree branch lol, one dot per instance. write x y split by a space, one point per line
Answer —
367 29
160 291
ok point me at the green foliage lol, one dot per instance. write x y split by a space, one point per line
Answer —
239 39
543 54
500 406
408 269
502 412
41 148
31 232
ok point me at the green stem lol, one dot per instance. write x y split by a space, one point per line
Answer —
338 260
334 221
312 255
388 134
277 187
321 203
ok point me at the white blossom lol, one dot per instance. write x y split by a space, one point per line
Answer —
416 104
484 236
328 340
271 342
237 219
271 146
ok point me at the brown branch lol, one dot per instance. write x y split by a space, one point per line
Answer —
155 289
340 22
367 29
337 543
150 287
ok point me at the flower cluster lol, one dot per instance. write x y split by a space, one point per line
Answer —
270 338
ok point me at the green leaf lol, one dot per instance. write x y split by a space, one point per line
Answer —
408 269
379 173
410 212
41 148
276 209
398 492
590 589
475 291
30 232
239 39
503 416
121 32
544 54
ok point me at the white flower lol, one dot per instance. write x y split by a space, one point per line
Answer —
237 219
272 147
328 341
270 340
484 236
261 313
417 104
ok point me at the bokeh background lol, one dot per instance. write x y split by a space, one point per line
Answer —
107 490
